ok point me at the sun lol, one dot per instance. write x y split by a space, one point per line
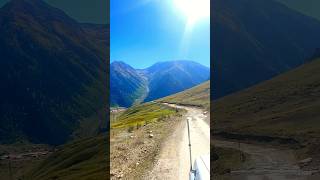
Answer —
194 10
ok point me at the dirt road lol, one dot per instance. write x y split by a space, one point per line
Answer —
173 161
266 163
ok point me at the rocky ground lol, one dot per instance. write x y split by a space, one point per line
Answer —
133 151
15 160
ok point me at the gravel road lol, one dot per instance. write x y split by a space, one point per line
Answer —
173 162
266 163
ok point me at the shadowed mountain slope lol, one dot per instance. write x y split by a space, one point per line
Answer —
257 40
285 108
166 78
126 84
53 74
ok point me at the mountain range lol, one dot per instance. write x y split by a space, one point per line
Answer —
53 73
257 40
129 85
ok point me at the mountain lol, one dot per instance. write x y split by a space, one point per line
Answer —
257 40
195 96
126 84
166 78
53 73
100 33
285 108
162 79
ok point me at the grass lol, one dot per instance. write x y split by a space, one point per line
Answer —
225 160
196 96
85 159
286 106
114 115
143 114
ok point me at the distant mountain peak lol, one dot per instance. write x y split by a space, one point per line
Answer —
121 64
118 63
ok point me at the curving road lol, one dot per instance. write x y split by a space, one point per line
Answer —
173 162
266 163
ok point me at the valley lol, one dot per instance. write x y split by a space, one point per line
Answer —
131 86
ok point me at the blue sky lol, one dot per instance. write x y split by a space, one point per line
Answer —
144 32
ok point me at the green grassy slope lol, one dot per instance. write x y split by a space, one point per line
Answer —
85 159
286 106
196 96
142 114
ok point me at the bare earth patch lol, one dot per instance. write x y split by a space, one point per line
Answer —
133 153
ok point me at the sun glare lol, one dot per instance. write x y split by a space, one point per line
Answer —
194 10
